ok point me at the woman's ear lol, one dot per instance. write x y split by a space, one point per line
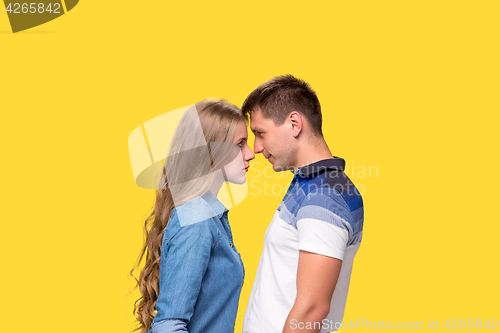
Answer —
296 123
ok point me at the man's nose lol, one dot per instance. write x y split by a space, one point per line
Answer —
257 147
249 155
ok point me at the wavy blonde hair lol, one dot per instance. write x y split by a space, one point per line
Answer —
219 120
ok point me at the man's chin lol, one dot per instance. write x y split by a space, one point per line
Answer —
278 168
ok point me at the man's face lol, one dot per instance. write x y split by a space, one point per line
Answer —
274 142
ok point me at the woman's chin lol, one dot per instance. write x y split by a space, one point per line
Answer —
239 180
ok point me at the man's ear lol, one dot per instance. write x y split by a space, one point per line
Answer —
296 122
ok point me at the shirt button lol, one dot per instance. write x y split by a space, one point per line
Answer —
231 245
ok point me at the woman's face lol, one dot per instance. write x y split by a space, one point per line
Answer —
236 169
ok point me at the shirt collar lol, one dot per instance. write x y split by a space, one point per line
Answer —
313 169
214 203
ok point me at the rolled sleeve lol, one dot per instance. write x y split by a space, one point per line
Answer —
169 326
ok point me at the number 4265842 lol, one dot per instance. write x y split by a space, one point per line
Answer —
33 8
471 324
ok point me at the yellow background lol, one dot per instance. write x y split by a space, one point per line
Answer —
409 87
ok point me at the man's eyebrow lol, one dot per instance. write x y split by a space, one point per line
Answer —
256 129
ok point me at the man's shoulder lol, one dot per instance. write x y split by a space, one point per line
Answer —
329 188
347 195
325 198
330 194
341 189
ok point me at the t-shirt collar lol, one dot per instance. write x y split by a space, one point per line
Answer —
313 169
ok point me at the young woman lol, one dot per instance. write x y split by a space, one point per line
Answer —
193 274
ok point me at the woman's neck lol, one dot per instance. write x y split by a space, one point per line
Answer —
217 183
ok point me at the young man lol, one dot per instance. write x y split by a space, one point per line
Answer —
304 271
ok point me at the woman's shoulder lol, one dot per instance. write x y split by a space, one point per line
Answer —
193 214
193 211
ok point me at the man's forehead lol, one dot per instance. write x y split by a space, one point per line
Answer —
258 123
255 113
253 125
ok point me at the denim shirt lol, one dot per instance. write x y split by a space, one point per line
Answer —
201 272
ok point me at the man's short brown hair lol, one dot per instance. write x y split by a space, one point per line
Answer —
283 94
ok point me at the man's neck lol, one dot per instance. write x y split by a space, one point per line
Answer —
316 151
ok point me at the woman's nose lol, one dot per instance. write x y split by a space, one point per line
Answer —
249 155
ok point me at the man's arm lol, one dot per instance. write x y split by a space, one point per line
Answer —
317 276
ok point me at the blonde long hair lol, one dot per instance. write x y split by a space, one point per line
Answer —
186 174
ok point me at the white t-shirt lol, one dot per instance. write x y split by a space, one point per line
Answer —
316 217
